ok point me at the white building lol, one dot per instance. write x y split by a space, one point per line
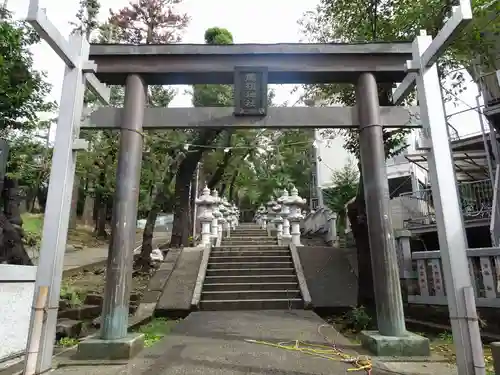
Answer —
334 157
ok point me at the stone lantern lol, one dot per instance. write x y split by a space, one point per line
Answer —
262 217
227 217
270 215
222 220
205 202
278 221
232 207
295 216
236 216
260 213
216 214
285 211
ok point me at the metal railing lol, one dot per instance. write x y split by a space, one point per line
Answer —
495 213
476 198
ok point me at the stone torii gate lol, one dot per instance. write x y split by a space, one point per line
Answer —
250 68
136 66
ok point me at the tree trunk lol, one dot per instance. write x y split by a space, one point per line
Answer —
222 189
193 194
144 261
12 249
100 208
222 165
159 199
88 210
185 172
180 227
12 201
232 190
102 213
74 204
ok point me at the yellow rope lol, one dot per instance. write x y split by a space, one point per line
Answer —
323 351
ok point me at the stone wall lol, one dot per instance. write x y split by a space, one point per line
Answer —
329 276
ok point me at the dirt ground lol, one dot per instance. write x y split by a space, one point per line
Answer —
92 282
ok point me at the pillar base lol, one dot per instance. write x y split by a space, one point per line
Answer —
410 345
99 349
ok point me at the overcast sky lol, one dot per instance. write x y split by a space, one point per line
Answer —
257 21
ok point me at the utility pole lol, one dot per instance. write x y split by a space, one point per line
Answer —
316 191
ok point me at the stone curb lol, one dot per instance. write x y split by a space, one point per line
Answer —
202 272
156 286
304 290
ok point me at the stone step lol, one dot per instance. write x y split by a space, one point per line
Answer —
249 258
250 247
242 232
249 236
224 286
254 226
244 265
251 279
248 243
245 238
248 253
256 240
256 304
250 271
249 294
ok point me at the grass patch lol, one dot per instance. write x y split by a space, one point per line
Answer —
155 330
73 296
67 342
32 223
32 226
82 236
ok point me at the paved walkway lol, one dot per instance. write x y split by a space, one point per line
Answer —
78 258
213 343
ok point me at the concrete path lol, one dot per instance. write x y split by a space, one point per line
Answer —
74 260
213 343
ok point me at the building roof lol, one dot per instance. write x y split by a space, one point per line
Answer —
469 165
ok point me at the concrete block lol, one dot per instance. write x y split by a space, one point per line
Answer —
99 349
94 299
495 353
68 328
411 345
84 312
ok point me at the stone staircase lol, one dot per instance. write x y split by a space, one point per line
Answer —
249 271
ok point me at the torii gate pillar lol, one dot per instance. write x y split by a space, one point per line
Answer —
387 288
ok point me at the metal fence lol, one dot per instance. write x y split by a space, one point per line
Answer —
476 198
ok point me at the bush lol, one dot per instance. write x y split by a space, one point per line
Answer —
358 319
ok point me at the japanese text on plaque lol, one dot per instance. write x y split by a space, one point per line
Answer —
250 90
